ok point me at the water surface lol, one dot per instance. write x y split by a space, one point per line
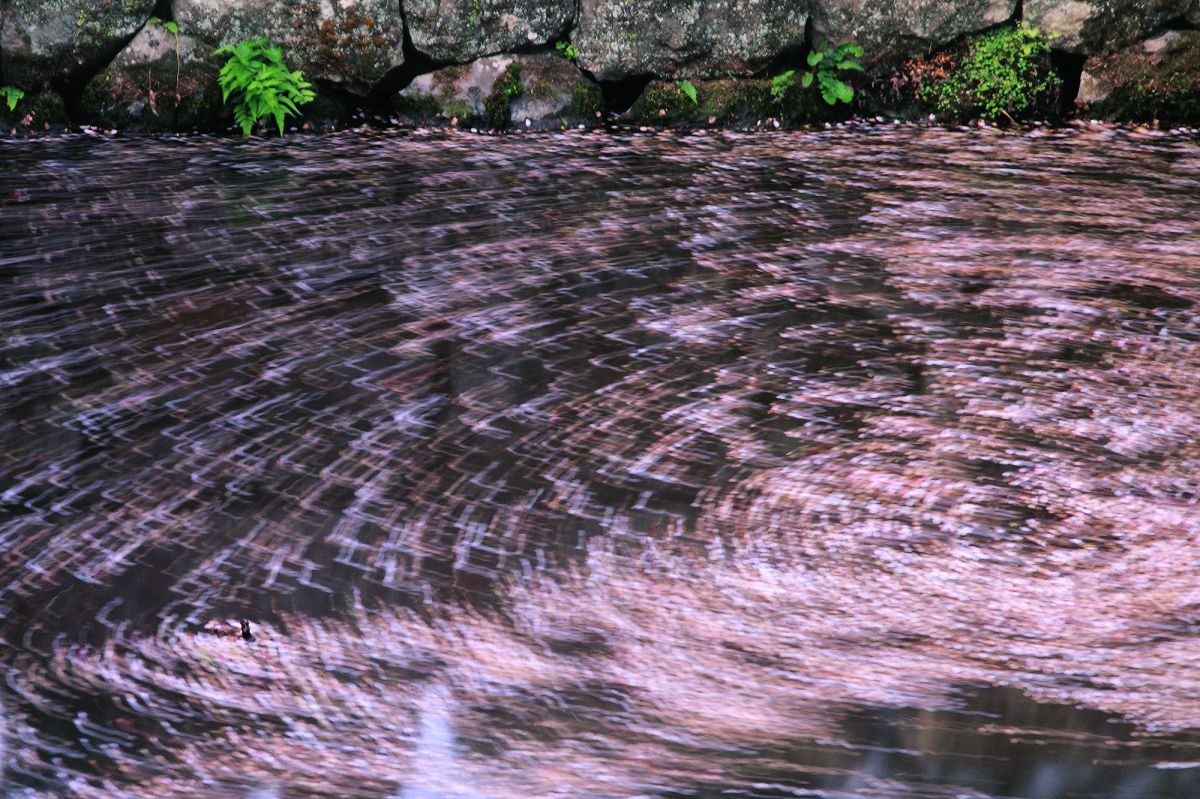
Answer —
859 463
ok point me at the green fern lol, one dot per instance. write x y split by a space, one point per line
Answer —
260 84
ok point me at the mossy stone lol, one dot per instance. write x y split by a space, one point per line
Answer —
57 43
34 112
1145 85
728 102
159 82
508 87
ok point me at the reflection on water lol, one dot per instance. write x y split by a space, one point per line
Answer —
436 766
845 464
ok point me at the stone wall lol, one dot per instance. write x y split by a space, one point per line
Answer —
102 62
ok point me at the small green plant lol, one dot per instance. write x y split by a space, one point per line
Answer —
782 84
12 95
172 28
827 63
1003 74
567 51
689 90
260 84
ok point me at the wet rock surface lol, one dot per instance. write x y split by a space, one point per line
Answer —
889 32
849 463
46 43
1097 26
464 30
452 93
697 38
350 44
554 93
548 91
354 50
1158 79
159 81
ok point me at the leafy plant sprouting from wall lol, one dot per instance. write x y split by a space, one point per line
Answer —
688 89
260 84
782 84
11 96
826 67
171 27
567 51
1003 74
828 63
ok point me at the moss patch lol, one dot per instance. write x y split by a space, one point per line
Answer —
458 109
731 102
447 78
417 107
507 88
155 97
586 100
1146 86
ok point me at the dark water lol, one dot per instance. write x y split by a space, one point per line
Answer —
861 463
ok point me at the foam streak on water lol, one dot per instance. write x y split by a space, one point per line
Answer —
844 464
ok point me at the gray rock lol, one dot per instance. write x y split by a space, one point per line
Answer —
463 30
552 92
1092 89
891 31
1161 44
158 82
685 38
457 92
53 42
1099 26
353 43
555 93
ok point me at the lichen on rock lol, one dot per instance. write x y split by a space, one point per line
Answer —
496 91
891 31
351 43
160 81
1098 26
1156 79
694 38
464 30
53 43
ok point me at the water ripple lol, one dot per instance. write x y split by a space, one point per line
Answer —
843 464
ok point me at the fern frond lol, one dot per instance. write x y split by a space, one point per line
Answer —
261 85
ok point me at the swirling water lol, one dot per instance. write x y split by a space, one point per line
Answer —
858 463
